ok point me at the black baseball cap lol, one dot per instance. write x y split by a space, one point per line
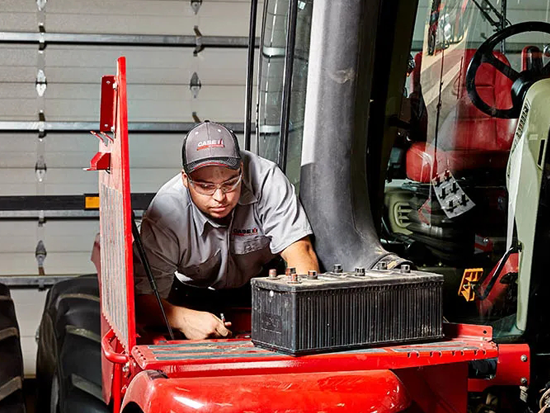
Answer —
210 144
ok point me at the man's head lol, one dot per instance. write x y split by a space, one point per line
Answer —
212 168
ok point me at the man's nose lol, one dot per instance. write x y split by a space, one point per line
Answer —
218 195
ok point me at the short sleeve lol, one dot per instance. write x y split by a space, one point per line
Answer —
283 218
162 250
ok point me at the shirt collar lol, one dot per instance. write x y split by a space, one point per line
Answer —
247 196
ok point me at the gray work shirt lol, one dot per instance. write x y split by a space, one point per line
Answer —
180 240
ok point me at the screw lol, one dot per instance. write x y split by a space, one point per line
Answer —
360 270
273 273
524 358
405 268
293 276
337 268
523 381
312 275
383 266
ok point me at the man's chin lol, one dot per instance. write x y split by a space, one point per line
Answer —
219 213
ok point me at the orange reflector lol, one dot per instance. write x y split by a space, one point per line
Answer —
470 277
91 202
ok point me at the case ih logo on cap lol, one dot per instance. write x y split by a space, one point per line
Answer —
212 143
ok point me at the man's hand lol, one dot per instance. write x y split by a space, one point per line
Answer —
198 325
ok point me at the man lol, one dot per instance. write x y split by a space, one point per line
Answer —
215 226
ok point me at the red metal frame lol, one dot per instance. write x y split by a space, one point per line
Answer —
115 212
115 273
513 368
240 357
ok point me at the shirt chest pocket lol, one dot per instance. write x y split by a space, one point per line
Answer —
202 274
248 244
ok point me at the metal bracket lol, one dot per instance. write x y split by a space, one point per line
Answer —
41 218
195 85
41 4
42 38
103 137
196 5
100 162
40 253
198 41
108 96
41 82
41 125
40 168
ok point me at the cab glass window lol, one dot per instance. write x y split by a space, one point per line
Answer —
272 61
454 201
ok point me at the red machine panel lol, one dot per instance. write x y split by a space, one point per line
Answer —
227 357
117 281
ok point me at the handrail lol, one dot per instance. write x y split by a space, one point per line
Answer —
108 350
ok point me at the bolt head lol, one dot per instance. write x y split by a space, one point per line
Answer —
523 381
523 357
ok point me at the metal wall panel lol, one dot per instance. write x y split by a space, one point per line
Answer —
129 16
57 263
74 151
60 237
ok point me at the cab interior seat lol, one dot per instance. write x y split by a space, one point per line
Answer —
473 146
468 139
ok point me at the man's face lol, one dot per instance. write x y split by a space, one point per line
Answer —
220 204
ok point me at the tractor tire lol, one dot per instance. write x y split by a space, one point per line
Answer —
68 364
12 399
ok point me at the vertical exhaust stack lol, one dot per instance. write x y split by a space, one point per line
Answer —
333 186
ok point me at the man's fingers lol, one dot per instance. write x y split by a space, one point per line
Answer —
228 323
222 331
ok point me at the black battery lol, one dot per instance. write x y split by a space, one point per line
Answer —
334 312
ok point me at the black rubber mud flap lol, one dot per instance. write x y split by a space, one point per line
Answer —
69 349
11 358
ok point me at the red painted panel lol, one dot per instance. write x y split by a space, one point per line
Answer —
240 357
117 280
513 368
437 389
362 391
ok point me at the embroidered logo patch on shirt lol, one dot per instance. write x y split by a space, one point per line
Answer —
245 232
211 143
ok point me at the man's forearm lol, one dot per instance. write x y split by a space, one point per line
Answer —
301 256
148 311
195 325
304 263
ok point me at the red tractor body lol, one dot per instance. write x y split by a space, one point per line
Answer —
235 376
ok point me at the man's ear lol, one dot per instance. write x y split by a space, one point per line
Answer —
184 179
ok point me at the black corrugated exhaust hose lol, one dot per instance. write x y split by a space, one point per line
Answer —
250 73
287 82
147 267
333 182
